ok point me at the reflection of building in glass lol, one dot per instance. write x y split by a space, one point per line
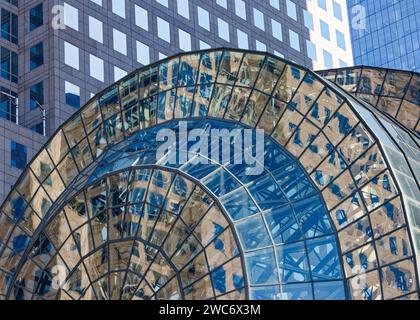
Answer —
395 92
334 215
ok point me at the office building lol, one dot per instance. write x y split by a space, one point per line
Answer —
385 33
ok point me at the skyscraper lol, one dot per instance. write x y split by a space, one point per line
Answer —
386 33
56 54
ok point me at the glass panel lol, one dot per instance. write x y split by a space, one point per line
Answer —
272 113
323 259
371 81
399 279
360 260
269 75
109 102
283 225
220 101
368 166
239 204
58 147
324 108
348 211
184 102
340 125
119 254
91 115
129 92
237 103
302 137
253 233
166 106
229 67
288 83
348 79
250 68
210 226
256 105
379 190
200 290
307 93
148 82
168 74
202 98
228 277
356 143
287 125
331 290
387 218
394 247
188 70
316 152
209 66
396 83
293 263
74 131
355 235
261 267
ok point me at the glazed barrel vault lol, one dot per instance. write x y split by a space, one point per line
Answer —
332 214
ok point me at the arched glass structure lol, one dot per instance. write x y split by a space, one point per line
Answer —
99 213
394 92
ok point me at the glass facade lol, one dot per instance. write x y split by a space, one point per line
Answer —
332 215
394 92
385 33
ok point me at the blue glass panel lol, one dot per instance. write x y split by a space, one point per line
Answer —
19 243
253 233
294 183
265 293
221 182
293 263
261 267
312 217
199 171
283 225
298 291
274 156
239 204
332 290
266 193
323 259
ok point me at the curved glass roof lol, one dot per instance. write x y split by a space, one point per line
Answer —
394 92
334 215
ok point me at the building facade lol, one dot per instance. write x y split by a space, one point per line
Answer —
331 213
385 33
55 58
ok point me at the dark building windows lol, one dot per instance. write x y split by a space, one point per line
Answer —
36 17
37 56
18 155
38 128
14 2
9 26
36 96
7 104
72 95
9 65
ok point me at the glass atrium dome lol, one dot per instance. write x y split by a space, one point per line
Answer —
333 213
